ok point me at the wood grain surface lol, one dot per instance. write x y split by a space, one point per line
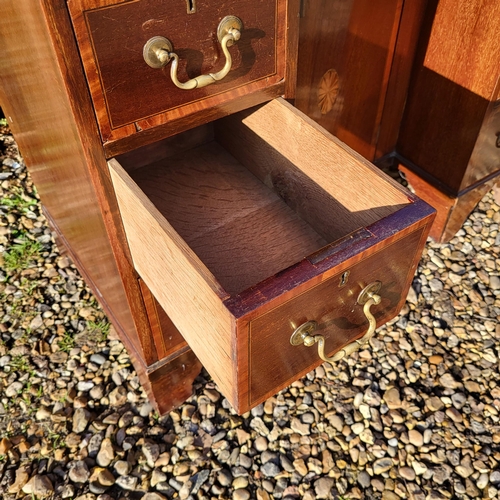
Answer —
205 233
181 283
274 362
303 164
452 95
281 131
451 211
357 39
166 337
245 229
410 24
46 101
241 230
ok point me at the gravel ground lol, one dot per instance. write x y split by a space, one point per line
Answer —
415 416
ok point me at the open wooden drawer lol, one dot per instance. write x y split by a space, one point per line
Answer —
245 228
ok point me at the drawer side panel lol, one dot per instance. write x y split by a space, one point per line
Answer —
177 280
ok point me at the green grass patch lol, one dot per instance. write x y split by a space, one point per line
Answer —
67 342
19 201
29 286
21 255
56 440
98 330
19 364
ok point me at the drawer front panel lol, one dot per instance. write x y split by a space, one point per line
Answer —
274 363
126 91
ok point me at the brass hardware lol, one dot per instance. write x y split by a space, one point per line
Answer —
344 279
368 292
303 334
191 6
158 52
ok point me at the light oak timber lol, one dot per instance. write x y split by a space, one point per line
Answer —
304 164
185 288
241 230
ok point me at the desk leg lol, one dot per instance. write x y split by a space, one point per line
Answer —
452 211
169 381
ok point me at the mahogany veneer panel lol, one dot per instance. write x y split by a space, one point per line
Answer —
356 39
47 102
129 96
274 362
118 32
166 337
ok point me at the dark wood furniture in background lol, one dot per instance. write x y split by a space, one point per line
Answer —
226 217
417 84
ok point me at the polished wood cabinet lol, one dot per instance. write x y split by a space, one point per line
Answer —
415 85
215 223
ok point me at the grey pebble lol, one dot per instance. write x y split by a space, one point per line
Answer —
270 469
78 471
364 479
127 482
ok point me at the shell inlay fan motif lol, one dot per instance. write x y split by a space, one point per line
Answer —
328 91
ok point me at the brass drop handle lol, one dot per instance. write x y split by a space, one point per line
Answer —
304 333
158 52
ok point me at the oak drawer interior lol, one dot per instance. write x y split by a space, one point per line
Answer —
232 219
245 209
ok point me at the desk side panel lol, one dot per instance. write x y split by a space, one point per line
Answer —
45 99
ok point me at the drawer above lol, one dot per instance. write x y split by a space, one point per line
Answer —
247 227
130 97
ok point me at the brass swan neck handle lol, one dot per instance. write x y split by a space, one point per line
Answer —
304 334
158 52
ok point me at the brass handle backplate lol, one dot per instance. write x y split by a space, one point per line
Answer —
158 52
304 334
